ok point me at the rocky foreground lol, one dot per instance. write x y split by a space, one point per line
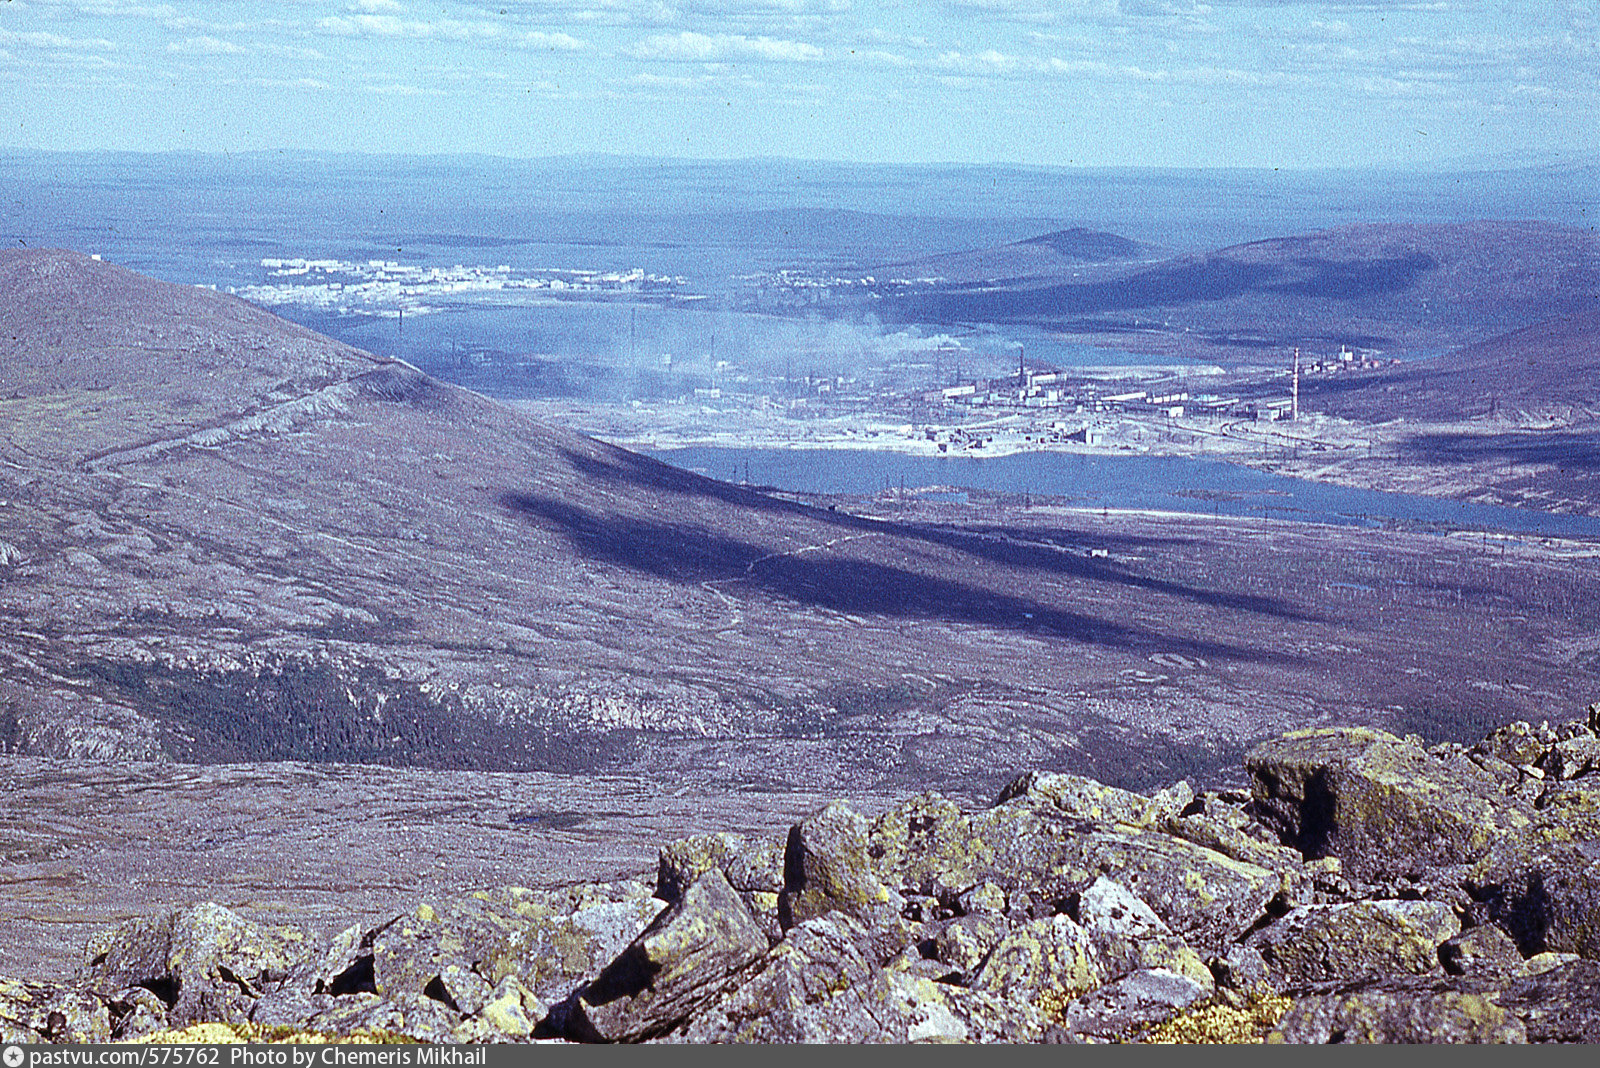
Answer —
1365 889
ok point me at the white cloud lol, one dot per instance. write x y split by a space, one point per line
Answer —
887 59
42 39
401 89
206 46
988 61
447 30
111 8
875 35
703 48
558 42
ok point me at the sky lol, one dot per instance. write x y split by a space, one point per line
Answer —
1166 83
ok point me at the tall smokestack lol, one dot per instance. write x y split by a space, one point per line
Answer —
1294 405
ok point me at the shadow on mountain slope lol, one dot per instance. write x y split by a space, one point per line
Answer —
995 546
1567 451
681 553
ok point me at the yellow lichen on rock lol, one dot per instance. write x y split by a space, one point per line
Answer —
238 1033
1222 1024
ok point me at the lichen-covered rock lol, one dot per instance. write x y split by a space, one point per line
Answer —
929 847
1040 856
688 956
512 1010
1130 937
462 989
1548 901
410 953
1106 907
899 1008
1068 911
1485 952
205 961
756 871
828 868
985 898
1089 799
34 1012
964 943
1329 943
1045 963
562 938
1517 743
1385 806
1572 757
1131 1003
1203 896
1401 1014
685 860
412 1016
815 961
1232 840
1242 973
1559 1005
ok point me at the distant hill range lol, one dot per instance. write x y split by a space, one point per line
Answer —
226 538
1045 257
1386 286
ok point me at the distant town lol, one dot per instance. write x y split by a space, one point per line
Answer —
900 391
387 289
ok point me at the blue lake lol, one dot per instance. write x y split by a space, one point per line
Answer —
1176 484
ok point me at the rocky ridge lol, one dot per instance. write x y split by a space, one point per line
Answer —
1366 888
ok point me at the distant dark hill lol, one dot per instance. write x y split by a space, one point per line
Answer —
1550 369
224 538
1391 286
1088 246
1033 260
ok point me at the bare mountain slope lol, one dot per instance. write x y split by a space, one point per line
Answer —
228 539
1550 370
1386 285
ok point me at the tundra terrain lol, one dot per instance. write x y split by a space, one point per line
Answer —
228 541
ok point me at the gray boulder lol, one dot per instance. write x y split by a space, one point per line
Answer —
557 940
1132 1003
1548 898
683 962
205 962
1405 1013
1088 799
1559 1005
964 943
1385 806
896 1007
1485 952
412 1016
36 1012
815 961
1045 962
685 860
1364 939
828 868
1130 937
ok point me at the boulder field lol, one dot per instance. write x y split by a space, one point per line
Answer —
1367 888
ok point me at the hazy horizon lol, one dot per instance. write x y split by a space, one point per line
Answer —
1251 83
